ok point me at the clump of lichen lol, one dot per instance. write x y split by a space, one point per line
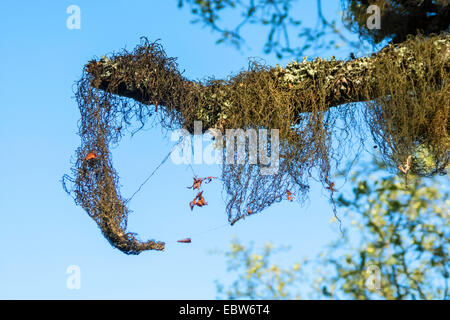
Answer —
410 117
311 104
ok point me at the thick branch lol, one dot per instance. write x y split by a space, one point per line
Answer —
339 81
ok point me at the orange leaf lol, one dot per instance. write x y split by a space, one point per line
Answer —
201 202
198 201
331 187
91 156
198 182
290 195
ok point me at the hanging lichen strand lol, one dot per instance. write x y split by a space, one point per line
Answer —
96 182
405 89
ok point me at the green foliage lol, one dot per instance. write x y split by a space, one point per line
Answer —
399 19
258 277
401 232
286 35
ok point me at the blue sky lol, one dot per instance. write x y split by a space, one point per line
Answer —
43 232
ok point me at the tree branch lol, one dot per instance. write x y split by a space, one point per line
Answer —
340 81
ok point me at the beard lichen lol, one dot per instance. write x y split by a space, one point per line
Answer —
405 90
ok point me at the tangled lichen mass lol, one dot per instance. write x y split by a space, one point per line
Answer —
404 88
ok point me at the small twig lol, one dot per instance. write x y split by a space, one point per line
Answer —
405 168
